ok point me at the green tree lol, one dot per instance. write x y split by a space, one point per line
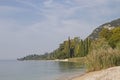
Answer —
115 37
105 33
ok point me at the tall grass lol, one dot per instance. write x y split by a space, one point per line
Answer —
102 58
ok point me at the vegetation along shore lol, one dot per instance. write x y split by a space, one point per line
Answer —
99 51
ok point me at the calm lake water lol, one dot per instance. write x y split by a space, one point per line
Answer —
38 70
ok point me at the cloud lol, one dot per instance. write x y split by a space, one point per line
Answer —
90 2
48 3
28 3
11 9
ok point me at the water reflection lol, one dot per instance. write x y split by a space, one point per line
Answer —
70 66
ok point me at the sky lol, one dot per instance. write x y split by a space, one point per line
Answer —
39 26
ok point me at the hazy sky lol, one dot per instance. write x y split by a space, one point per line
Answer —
39 26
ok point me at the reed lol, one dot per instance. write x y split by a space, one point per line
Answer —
102 58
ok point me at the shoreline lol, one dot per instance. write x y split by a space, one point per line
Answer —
71 76
105 74
76 76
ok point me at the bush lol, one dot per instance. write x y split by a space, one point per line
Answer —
102 58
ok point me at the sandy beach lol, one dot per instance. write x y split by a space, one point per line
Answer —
106 74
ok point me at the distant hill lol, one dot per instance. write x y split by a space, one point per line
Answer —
110 25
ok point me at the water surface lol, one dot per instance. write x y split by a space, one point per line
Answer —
37 70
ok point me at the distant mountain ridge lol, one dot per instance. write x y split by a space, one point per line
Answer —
110 25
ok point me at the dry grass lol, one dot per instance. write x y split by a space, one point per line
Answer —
102 58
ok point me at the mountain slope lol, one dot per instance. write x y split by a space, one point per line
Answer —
110 25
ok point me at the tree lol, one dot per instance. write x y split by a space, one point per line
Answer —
115 37
105 33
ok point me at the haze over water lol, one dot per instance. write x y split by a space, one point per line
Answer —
38 70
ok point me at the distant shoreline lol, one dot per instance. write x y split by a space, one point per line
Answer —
112 73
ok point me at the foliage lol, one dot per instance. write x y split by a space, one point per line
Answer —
97 44
105 33
115 37
102 58
112 36
35 57
80 48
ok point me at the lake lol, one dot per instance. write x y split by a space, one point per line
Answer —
38 70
